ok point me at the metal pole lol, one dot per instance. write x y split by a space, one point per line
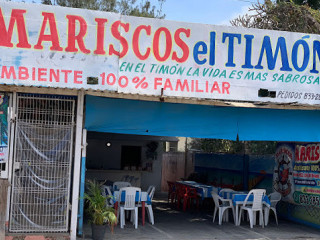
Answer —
76 168
82 181
12 112
245 166
186 158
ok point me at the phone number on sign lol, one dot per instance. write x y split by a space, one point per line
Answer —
298 95
309 200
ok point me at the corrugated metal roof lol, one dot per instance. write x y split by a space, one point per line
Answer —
181 100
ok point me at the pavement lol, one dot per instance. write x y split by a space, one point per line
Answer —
193 224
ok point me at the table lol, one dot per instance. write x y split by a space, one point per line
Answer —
229 195
203 190
144 199
238 199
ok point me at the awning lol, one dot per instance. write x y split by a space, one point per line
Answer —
199 121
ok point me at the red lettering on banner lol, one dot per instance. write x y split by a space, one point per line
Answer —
183 86
66 73
157 82
297 155
123 81
116 34
316 152
135 42
111 79
100 36
312 152
167 84
73 38
283 150
23 73
308 153
54 74
225 87
184 47
192 86
197 87
53 37
302 154
215 87
33 74
77 76
156 44
42 72
7 74
17 16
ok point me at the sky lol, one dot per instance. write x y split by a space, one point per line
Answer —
216 12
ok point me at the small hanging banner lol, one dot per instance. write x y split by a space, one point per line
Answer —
4 103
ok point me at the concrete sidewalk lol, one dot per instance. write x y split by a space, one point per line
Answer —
195 225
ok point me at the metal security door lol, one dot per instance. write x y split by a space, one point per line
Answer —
42 163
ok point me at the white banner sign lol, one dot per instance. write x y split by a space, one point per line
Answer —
74 48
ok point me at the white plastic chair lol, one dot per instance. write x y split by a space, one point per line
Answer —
106 192
222 205
150 192
118 185
274 199
150 188
254 206
227 191
129 204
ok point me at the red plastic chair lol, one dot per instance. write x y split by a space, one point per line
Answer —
181 192
191 196
187 195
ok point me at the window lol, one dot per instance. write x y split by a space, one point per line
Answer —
173 146
130 157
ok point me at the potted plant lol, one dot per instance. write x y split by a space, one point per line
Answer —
100 214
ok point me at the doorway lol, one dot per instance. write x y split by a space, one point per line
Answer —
130 157
42 162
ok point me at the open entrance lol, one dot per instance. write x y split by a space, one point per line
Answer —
136 159
131 157
241 171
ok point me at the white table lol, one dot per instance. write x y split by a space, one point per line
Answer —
144 196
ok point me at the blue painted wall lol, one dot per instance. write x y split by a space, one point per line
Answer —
227 170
